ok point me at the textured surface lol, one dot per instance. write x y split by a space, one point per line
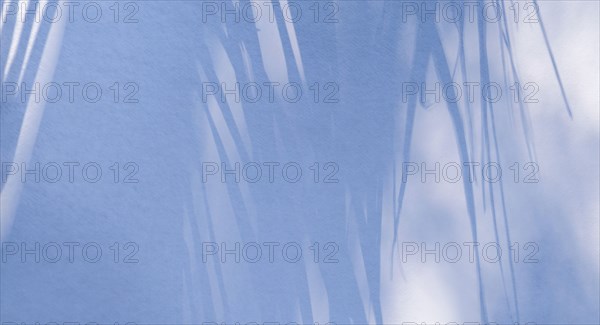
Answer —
364 97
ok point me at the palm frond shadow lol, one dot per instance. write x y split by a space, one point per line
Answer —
21 61
363 142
